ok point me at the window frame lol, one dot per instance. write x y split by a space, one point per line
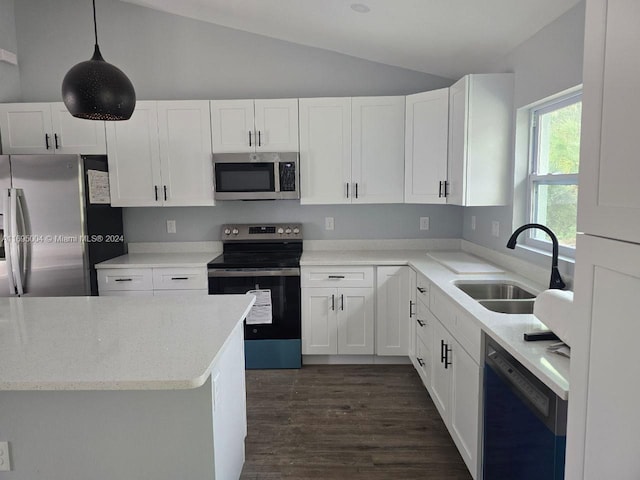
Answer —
534 179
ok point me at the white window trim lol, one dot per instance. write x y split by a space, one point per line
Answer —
567 98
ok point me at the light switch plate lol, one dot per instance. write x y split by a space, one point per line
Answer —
495 228
328 223
424 223
473 222
171 226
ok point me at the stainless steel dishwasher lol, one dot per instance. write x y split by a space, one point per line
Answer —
525 422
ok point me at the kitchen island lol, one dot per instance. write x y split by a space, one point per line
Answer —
106 388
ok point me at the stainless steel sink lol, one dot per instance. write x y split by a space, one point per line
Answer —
494 291
508 306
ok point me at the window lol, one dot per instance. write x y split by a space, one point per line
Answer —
553 174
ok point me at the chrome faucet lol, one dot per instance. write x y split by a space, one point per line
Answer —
556 280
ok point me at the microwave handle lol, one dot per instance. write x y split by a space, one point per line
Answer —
276 176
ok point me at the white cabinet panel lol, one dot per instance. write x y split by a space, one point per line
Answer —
337 277
355 321
276 123
325 150
480 125
609 203
377 153
392 310
441 380
319 321
426 145
232 126
48 128
185 153
179 278
118 279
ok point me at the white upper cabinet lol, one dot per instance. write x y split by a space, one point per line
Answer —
36 128
479 166
377 162
352 150
255 125
426 145
162 155
609 202
325 150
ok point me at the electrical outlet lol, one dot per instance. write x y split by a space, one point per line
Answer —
473 222
424 223
171 226
5 462
328 223
495 228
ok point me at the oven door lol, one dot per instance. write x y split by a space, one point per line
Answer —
245 180
284 286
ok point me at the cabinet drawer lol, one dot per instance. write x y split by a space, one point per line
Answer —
179 278
424 324
422 288
424 360
442 308
337 277
119 279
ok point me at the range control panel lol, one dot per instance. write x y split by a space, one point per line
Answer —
275 231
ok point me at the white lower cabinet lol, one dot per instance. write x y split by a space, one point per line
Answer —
129 282
337 311
392 310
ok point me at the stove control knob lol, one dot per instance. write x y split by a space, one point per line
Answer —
227 231
280 231
296 231
235 231
287 231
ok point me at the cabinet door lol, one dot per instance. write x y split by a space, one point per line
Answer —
26 128
465 405
232 126
423 362
426 144
603 408
609 202
355 315
457 142
413 311
319 323
325 150
276 123
377 152
441 380
392 311
185 153
75 135
134 159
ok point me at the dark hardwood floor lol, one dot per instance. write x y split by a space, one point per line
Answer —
346 422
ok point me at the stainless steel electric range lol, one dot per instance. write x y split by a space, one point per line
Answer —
264 260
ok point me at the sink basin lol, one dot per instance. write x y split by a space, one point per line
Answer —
508 306
494 291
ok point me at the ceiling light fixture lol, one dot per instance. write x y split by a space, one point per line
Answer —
97 90
360 8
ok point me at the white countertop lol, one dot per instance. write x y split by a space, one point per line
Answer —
158 260
114 343
552 369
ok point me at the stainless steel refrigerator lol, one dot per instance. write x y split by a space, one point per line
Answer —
56 224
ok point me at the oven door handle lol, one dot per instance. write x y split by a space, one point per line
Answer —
252 272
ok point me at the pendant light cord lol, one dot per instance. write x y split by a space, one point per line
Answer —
95 24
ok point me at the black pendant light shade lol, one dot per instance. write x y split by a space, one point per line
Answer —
97 90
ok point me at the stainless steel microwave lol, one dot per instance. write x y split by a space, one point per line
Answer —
256 176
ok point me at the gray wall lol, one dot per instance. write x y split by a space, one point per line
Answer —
351 221
170 57
547 63
9 74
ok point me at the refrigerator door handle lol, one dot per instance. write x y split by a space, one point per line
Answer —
16 262
8 238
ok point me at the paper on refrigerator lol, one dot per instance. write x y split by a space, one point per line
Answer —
261 312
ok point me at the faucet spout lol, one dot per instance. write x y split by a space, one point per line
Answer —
556 280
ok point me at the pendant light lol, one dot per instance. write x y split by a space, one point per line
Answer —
97 90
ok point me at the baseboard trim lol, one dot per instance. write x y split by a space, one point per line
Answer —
354 360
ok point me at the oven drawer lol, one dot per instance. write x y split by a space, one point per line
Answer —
119 279
336 276
180 278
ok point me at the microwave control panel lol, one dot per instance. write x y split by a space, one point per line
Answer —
287 176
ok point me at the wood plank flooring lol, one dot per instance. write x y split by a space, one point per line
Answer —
346 422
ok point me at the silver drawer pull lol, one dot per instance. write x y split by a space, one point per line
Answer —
123 280
336 276
179 278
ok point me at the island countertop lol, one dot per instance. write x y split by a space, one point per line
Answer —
114 343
